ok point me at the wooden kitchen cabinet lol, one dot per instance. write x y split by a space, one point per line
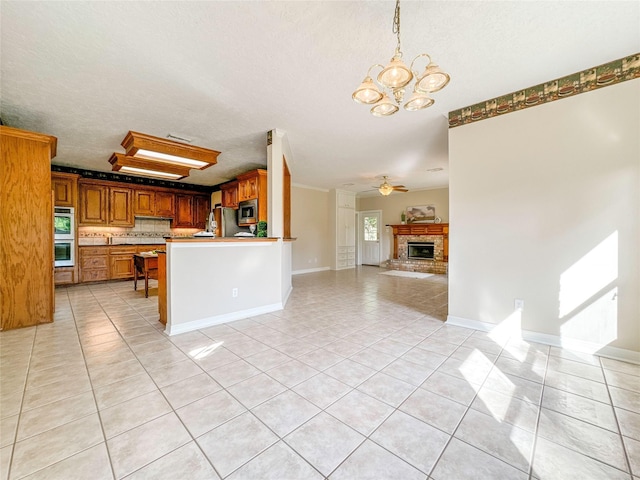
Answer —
144 203
251 184
65 189
202 209
93 204
184 211
165 204
150 203
101 205
94 264
26 236
230 194
121 261
121 207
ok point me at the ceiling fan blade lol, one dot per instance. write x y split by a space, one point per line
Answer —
399 186
400 189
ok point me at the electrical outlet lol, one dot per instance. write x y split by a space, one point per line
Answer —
234 292
518 304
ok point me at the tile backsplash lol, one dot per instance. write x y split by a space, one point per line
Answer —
145 231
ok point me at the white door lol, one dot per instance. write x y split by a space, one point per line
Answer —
370 226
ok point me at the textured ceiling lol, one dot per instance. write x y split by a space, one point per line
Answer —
224 73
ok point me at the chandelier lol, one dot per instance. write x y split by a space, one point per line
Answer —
395 77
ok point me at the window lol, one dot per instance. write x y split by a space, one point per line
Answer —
371 229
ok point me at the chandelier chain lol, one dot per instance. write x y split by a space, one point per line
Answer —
396 24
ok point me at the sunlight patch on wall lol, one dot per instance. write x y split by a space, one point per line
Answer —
597 323
510 327
589 275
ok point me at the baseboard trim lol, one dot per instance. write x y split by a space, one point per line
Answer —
218 319
553 340
310 270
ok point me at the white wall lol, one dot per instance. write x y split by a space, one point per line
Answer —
545 206
310 226
393 205
201 277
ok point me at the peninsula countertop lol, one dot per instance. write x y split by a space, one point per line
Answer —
221 239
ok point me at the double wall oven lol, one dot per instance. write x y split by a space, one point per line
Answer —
64 236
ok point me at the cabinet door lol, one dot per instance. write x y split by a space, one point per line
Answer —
93 204
121 266
346 231
63 191
230 195
248 188
202 208
184 211
144 202
120 207
165 204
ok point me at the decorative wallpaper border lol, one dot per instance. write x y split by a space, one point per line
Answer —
620 70
116 177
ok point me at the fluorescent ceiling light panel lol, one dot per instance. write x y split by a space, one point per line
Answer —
163 157
168 151
149 173
141 166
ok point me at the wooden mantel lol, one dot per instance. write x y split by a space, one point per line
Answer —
415 229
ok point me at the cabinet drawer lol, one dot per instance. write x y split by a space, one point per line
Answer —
94 275
93 262
123 250
64 276
351 249
92 252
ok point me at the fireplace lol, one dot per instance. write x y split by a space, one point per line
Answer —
420 247
420 250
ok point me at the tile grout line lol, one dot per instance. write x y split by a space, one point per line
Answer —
615 416
539 414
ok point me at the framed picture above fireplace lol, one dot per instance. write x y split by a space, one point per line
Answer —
421 214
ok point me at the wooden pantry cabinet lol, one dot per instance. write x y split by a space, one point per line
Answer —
26 235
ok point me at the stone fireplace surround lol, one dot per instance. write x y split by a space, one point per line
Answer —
422 232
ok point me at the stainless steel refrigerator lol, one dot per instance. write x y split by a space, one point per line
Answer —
227 220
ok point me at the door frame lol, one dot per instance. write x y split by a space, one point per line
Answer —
360 235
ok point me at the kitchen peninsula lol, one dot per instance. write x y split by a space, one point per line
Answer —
209 281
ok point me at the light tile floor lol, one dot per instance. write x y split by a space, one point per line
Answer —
357 378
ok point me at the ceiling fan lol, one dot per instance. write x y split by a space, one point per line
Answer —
386 188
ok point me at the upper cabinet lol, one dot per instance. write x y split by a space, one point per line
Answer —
165 204
65 189
93 204
230 194
121 207
192 211
184 211
151 203
251 185
102 205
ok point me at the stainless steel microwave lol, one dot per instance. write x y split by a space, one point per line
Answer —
248 212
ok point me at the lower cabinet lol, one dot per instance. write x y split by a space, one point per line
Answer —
121 262
65 275
94 264
109 262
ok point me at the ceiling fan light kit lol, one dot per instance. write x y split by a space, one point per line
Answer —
386 188
395 77
160 157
